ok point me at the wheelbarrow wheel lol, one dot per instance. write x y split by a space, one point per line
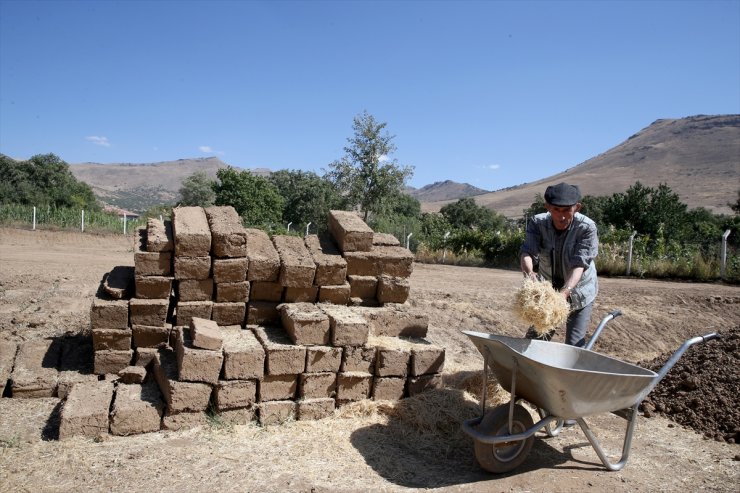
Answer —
503 457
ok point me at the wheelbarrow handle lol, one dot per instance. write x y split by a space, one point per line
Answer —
679 352
597 332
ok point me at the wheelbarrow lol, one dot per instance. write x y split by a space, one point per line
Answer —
562 383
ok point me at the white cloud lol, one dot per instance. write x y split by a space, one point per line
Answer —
98 140
383 158
493 166
205 149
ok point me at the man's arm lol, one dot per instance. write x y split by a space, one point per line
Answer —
574 277
527 264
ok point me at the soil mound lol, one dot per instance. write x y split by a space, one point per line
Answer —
702 391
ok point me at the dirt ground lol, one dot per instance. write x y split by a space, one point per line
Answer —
47 281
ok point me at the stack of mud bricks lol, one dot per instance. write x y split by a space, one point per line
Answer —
216 317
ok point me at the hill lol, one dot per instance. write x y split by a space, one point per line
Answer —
698 157
444 190
139 186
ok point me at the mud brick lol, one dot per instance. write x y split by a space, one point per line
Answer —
119 282
68 379
153 263
281 356
109 314
264 261
148 312
195 290
353 386
242 416
396 320
350 232
363 287
153 287
133 375
301 295
228 237
392 362
108 361
262 312
232 292
145 355
348 326
388 388
381 260
193 364
234 394
276 412
136 409
331 268
266 291
278 387
393 289
192 268
229 313
337 295
426 358
244 356
35 371
191 232
230 269
297 269
7 357
359 359
317 385
146 336
423 383
206 334
186 310
159 236
305 323
179 396
184 420
385 239
115 339
313 409
323 358
85 412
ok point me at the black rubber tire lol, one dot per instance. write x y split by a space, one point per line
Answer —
506 456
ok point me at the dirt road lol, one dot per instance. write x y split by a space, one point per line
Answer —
47 280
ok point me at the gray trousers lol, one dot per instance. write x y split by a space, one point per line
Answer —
577 326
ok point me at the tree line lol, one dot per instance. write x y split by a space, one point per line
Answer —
367 179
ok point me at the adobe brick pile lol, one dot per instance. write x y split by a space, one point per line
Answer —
216 317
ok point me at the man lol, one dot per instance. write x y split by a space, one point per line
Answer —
563 243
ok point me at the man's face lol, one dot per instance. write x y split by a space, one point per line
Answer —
562 216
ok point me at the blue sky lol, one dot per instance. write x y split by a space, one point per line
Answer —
492 93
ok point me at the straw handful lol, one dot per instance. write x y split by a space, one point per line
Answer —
538 304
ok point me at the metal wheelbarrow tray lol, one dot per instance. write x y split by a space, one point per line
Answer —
563 383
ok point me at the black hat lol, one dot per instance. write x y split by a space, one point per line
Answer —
562 194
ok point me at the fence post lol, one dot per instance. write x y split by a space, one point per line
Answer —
82 221
629 254
407 240
444 246
288 230
723 261
307 225
34 218
124 224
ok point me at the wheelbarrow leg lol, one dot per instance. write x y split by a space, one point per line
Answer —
625 448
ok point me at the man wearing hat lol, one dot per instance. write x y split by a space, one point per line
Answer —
563 243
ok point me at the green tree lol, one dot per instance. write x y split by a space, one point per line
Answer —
466 214
307 197
366 176
256 200
197 190
736 206
45 179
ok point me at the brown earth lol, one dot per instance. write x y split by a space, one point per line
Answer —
47 281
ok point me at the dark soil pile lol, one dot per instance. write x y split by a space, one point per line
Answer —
702 391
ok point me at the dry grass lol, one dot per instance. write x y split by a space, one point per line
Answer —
538 304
